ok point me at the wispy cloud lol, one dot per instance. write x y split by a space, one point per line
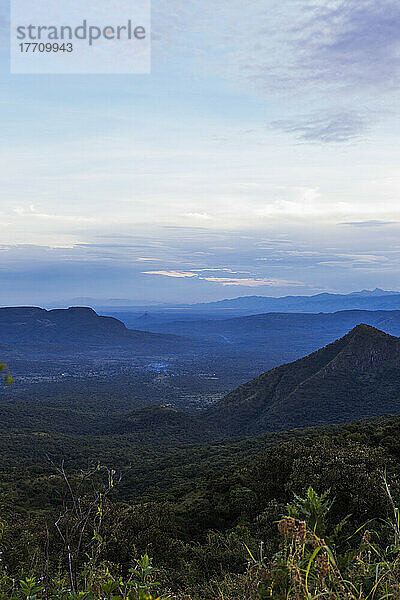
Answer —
354 43
177 274
333 43
249 282
200 216
32 212
227 281
143 259
332 54
371 223
364 258
334 128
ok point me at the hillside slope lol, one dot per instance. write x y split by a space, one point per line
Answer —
355 377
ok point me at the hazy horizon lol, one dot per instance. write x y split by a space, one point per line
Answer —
130 303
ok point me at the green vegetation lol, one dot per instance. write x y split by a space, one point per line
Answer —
357 376
8 380
176 510
233 521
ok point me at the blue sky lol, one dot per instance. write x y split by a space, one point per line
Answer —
261 156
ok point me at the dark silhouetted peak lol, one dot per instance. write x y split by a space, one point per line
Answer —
366 348
366 332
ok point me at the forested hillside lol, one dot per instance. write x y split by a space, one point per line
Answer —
356 376
104 502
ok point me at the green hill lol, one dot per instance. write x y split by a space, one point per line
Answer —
357 376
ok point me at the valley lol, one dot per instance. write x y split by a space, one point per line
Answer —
208 425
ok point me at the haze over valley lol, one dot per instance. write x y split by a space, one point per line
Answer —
181 358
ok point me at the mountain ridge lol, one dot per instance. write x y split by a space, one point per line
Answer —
354 377
324 302
34 325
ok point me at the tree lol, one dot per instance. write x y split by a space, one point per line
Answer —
8 380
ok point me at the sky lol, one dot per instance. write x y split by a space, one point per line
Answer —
260 156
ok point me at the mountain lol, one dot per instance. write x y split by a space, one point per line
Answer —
76 325
372 293
326 302
266 325
355 377
365 300
103 303
279 337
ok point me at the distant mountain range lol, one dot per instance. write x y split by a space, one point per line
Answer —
274 338
377 299
373 293
247 344
262 326
364 300
355 377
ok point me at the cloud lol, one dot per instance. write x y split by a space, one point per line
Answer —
178 274
143 259
288 44
33 213
329 54
249 282
364 258
220 269
335 44
371 223
201 216
354 43
227 281
360 261
334 128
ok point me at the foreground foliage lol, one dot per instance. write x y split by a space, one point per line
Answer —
299 515
84 555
